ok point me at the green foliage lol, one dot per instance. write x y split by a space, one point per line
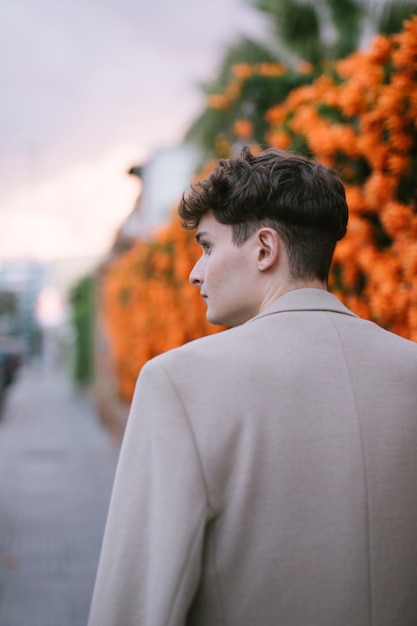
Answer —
260 93
257 94
297 26
82 302
347 17
207 127
8 303
212 122
307 30
393 16
244 51
331 29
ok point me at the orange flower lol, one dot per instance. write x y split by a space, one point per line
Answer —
242 70
270 69
352 99
355 199
378 190
399 164
243 129
218 101
405 54
276 114
304 67
279 139
380 50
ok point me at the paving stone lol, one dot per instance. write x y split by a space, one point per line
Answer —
57 465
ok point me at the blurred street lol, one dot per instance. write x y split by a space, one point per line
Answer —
56 470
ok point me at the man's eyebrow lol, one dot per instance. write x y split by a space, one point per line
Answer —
200 235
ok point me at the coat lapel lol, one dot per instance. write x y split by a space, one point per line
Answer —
305 299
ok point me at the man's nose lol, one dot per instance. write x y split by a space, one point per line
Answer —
196 274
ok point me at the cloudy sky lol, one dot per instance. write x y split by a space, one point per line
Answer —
89 88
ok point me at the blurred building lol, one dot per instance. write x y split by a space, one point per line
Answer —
163 179
161 182
23 280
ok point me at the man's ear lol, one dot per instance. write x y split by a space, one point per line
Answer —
268 247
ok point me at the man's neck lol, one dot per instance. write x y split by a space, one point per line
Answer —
279 291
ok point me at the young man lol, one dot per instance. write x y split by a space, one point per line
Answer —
268 472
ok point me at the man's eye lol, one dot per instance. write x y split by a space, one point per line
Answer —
206 247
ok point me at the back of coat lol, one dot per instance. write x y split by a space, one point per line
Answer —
268 477
305 422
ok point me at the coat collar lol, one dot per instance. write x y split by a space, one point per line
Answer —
305 299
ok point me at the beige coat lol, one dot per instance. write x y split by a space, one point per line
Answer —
268 477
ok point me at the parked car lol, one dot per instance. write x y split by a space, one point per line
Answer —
11 358
2 379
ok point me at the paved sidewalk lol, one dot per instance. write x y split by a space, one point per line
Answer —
56 470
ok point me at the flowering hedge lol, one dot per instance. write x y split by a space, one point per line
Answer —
239 112
360 117
148 305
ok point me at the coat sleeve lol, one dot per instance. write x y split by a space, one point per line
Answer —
151 555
